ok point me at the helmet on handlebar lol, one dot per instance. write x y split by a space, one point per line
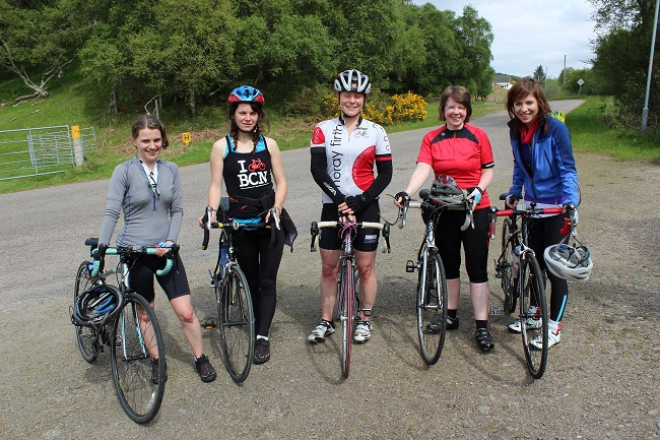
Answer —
446 190
97 305
568 262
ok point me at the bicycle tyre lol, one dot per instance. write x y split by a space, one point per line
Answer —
348 316
505 267
533 294
87 337
432 307
139 397
237 333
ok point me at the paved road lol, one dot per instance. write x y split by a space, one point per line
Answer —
47 391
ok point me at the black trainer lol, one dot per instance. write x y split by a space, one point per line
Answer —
261 351
205 369
154 372
484 339
452 324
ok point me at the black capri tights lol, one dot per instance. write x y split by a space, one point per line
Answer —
448 238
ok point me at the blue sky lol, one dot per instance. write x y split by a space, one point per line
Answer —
533 32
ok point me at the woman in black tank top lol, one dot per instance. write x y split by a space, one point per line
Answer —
251 166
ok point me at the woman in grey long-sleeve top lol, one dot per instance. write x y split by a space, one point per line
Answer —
148 191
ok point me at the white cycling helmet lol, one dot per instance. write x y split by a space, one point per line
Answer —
352 81
568 262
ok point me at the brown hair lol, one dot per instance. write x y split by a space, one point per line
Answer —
520 90
150 122
459 94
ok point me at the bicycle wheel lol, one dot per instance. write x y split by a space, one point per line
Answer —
432 308
348 315
505 267
136 334
87 337
533 315
236 325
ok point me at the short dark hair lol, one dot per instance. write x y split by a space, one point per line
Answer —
150 122
459 94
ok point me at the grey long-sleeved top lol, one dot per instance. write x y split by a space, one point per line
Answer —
148 219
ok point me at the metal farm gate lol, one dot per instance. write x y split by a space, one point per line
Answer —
29 152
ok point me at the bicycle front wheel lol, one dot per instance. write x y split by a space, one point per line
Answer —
533 316
432 307
87 337
236 325
505 267
136 343
348 314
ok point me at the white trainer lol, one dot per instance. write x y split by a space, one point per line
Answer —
362 331
515 326
323 329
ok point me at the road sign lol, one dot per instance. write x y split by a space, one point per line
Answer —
580 81
185 137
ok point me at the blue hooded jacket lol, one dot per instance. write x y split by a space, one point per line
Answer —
553 178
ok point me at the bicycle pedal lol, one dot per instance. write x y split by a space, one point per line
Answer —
208 323
410 266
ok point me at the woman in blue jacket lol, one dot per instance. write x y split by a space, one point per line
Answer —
544 171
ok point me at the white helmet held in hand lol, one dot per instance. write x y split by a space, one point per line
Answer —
568 262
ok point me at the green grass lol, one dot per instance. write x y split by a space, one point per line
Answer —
590 133
73 101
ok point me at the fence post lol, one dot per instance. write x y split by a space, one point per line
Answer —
78 152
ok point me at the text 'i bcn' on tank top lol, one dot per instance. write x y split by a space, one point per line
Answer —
247 176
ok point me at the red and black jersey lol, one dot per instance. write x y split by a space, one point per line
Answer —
461 154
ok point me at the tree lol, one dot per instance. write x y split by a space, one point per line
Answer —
622 54
539 75
37 40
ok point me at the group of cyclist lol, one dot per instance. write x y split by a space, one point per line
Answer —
351 161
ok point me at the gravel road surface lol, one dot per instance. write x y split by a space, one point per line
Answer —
602 381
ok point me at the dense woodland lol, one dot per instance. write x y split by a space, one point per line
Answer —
194 51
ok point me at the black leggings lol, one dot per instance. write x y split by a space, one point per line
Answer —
260 266
544 232
448 238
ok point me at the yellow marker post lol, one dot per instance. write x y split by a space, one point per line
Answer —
78 152
186 138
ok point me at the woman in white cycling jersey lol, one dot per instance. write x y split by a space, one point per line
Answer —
344 152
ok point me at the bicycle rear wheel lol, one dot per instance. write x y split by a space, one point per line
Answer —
137 334
87 337
533 315
432 308
236 325
348 315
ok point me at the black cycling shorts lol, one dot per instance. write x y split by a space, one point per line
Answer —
366 240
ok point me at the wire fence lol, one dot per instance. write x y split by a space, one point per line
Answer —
30 152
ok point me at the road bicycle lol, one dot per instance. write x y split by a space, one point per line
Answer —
347 304
432 281
232 295
521 278
131 330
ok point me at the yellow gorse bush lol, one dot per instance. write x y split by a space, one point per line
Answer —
398 108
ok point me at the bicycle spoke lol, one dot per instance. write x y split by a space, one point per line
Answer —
534 319
237 326
137 341
432 308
